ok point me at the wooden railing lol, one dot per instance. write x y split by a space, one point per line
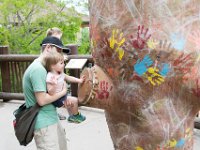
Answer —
12 67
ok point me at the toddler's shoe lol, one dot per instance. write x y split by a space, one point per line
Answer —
76 118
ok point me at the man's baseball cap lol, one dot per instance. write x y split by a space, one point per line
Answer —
55 42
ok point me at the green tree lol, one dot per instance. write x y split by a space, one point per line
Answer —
24 23
84 47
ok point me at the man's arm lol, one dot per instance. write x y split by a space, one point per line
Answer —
51 88
44 98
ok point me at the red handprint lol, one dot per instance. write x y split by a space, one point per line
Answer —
192 75
183 64
103 93
142 37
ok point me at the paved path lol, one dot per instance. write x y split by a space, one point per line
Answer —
92 134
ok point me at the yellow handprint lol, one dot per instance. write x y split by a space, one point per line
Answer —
139 148
151 43
153 76
172 143
116 42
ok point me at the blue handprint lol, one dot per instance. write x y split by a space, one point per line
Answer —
141 66
164 69
180 143
178 41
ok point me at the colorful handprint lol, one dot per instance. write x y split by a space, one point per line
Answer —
142 37
152 44
164 69
178 41
103 93
194 38
163 52
116 41
141 66
183 64
154 77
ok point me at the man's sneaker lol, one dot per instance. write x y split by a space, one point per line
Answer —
76 118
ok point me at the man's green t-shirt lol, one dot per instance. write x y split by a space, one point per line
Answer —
34 80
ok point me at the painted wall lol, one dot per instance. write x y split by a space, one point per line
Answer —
150 49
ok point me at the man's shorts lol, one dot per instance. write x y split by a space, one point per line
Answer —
60 102
52 137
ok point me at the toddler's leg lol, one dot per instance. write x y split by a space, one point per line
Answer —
72 106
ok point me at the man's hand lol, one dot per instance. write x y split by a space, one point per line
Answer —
44 98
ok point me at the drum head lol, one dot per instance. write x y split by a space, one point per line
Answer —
105 86
97 85
85 88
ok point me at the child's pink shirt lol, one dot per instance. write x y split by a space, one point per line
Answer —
55 81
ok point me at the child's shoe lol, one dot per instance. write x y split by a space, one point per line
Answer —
76 118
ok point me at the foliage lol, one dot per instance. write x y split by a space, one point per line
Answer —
3 36
24 23
84 42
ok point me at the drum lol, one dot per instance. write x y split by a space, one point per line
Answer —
97 86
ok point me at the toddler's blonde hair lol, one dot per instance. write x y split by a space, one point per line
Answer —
52 59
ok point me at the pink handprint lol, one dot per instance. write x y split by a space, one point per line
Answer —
194 38
142 37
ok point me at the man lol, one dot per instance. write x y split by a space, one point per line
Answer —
74 115
49 133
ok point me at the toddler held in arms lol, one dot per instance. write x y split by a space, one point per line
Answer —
56 79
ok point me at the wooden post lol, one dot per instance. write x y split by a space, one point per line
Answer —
73 72
5 72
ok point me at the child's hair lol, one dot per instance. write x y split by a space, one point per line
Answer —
52 31
52 59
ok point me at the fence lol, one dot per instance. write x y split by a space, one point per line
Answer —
12 67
